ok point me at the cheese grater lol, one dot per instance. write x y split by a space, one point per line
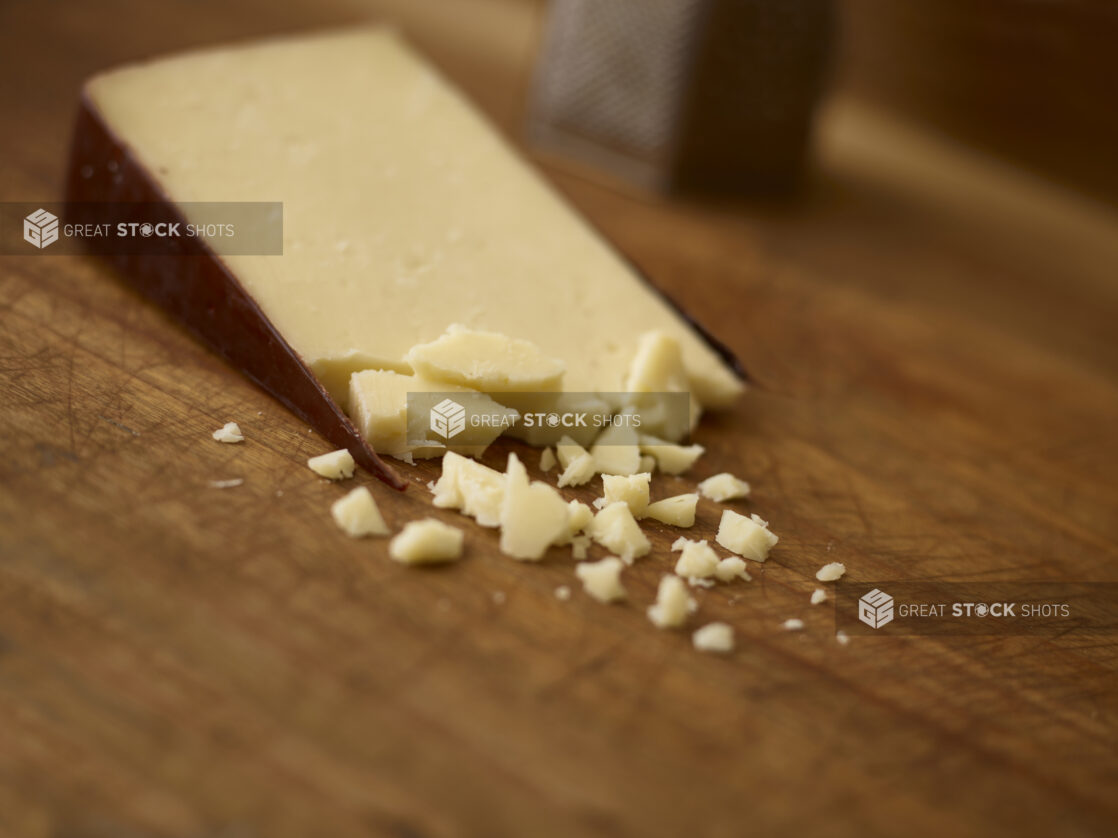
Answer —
682 95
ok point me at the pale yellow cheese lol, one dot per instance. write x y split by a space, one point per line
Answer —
403 211
471 487
673 603
615 451
378 405
670 458
426 541
749 537
533 515
357 514
486 361
723 487
602 579
714 637
229 433
678 510
336 465
631 490
616 530
697 560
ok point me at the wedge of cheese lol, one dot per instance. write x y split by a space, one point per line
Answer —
404 213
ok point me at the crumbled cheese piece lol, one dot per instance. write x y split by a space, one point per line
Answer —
629 489
671 458
818 595
563 593
615 450
579 516
424 541
227 484
602 579
697 559
842 637
533 514
471 487
749 537
679 510
647 463
486 361
697 582
793 624
230 432
830 572
731 568
673 603
578 465
547 460
616 530
567 451
657 366
682 542
333 466
357 514
723 487
580 546
714 637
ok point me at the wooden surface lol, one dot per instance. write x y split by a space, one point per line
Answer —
935 362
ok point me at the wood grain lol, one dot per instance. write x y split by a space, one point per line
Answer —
935 398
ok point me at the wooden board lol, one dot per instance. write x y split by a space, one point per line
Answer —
934 354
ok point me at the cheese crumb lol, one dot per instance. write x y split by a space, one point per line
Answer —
563 593
486 361
616 530
670 458
629 489
333 466
533 515
230 433
425 541
749 537
547 460
357 514
696 582
818 595
672 605
580 471
842 637
227 484
723 487
678 510
714 637
647 463
615 450
471 487
580 546
731 568
830 572
793 624
602 579
697 559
